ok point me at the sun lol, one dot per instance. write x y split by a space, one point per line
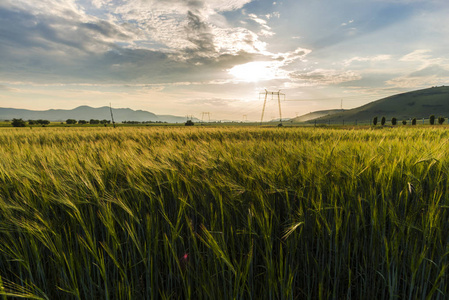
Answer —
254 71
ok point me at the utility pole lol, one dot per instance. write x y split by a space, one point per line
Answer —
112 116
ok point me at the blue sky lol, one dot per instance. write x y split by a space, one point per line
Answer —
185 57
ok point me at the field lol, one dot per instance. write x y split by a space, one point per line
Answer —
224 213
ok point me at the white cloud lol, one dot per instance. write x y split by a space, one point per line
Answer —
432 75
417 82
349 22
320 77
377 58
274 14
257 19
266 30
422 58
234 40
420 55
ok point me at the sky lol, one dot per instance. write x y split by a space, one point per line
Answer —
187 57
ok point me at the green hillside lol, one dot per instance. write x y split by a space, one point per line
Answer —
417 104
317 114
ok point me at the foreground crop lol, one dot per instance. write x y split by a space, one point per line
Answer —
203 213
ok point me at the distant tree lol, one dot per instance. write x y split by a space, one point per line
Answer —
18 123
70 121
441 120
414 121
43 122
375 121
82 122
404 122
382 121
393 121
189 123
32 122
92 121
432 120
105 121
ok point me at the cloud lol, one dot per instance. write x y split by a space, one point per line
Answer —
420 55
213 102
321 77
199 34
274 14
59 32
7 88
349 22
57 42
416 82
432 75
433 70
377 58
265 29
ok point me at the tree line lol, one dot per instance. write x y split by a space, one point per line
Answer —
22 123
394 120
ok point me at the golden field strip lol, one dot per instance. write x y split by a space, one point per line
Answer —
224 213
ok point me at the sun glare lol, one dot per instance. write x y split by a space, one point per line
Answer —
254 71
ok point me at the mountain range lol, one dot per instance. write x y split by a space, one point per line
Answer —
87 113
416 104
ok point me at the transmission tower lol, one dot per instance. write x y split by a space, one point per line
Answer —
278 94
206 113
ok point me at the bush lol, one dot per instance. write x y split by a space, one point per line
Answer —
92 121
382 121
432 120
189 123
82 122
414 121
70 121
404 122
375 121
441 120
393 121
18 123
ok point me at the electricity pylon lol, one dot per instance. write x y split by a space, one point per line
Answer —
206 113
278 93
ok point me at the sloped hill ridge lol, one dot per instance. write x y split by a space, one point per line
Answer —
317 114
416 104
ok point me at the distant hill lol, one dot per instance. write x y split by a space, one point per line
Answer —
416 104
87 113
316 115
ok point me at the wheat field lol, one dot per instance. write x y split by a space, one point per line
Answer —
224 213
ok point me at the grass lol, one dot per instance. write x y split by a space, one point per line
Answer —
221 213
